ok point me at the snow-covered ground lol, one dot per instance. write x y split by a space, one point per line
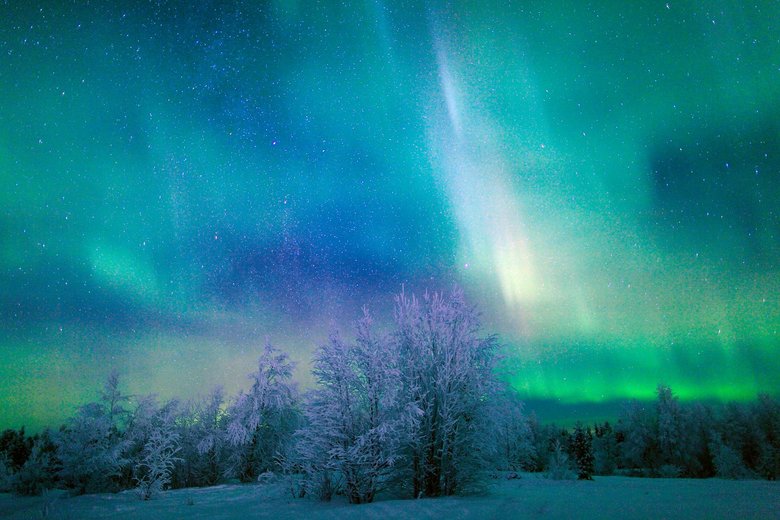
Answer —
529 497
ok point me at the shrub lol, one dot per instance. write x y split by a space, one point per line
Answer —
560 467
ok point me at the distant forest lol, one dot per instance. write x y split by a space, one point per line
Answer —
416 412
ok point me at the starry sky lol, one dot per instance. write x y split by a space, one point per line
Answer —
180 182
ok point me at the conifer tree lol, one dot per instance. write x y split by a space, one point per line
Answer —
582 449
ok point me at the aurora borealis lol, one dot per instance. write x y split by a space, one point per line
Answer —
179 182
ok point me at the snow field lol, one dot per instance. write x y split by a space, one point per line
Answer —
532 496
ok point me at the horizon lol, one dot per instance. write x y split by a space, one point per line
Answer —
547 411
178 183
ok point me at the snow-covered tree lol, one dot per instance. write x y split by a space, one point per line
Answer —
767 416
697 458
739 431
375 380
639 446
38 473
91 447
330 423
140 422
260 422
15 448
207 439
201 428
351 429
605 450
670 429
513 436
114 401
447 382
91 452
153 471
727 461
542 437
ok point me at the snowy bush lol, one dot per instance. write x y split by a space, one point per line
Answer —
560 467
728 463
153 473
321 484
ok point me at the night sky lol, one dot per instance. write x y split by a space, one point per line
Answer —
178 183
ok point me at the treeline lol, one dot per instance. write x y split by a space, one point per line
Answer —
411 410
417 411
666 438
